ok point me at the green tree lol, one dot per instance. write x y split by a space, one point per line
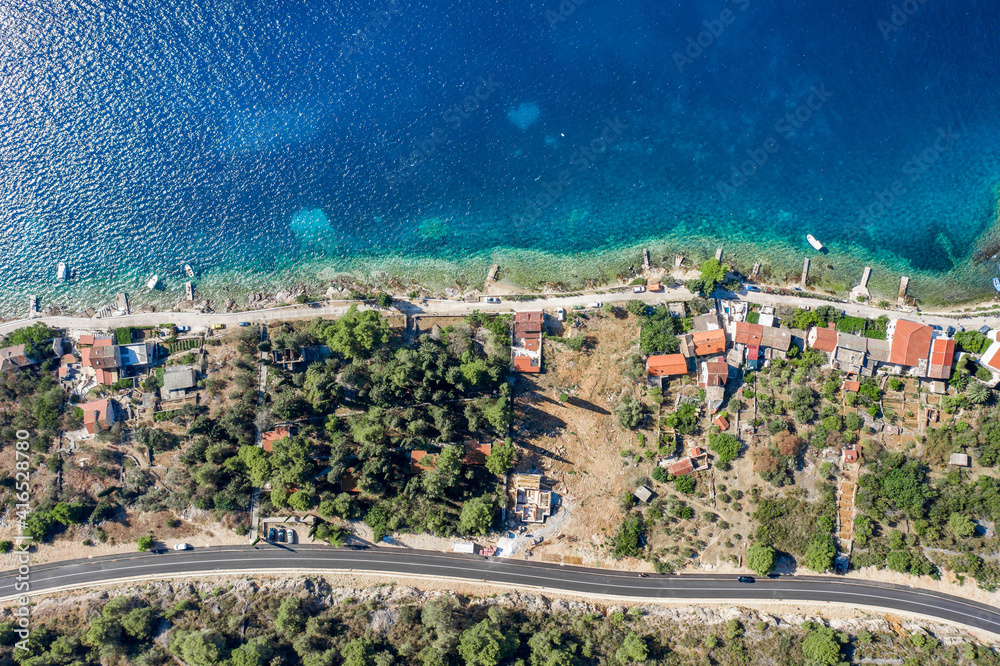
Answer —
140 623
961 526
484 644
629 412
197 648
256 462
725 446
760 558
633 649
359 652
501 459
684 484
357 333
978 393
291 617
821 553
476 516
822 648
145 543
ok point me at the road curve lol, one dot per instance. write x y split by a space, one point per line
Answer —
582 581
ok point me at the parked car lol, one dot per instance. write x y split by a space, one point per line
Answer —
183 329
746 579
638 290
271 533
950 331
292 536
183 546
492 299
282 535
595 304
561 314
244 323
750 287
984 330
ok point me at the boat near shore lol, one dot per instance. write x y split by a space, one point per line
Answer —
996 283
153 282
188 270
815 243
62 272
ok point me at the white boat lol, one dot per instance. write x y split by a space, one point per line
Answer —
188 270
996 283
153 282
815 243
61 272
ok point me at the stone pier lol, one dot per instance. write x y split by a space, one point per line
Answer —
904 284
805 273
718 254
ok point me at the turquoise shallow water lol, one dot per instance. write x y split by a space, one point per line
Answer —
283 142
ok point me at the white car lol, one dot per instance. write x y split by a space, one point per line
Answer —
183 546
595 304
638 290
492 299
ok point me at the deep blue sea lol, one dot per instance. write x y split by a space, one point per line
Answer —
279 140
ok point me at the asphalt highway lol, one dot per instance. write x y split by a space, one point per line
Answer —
275 559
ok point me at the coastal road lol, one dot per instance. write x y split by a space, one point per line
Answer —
586 582
461 308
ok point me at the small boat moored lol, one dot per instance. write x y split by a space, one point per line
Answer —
153 282
815 243
188 270
62 272
996 283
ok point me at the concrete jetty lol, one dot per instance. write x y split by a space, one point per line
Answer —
860 293
904 284
491 275
805 273
189 290
755 271
718 254
32 305
645 259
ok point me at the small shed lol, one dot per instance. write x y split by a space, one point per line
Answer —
464 547
643 494
959 460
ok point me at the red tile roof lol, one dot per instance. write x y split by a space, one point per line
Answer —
681 467
992 356
749 334
422 461
654 286
911 343
942 358
852 386
709 342
532 344
526 364
717 373
476 453
721 421
268 438
528 321
666 365
823 339
86 339
99 412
